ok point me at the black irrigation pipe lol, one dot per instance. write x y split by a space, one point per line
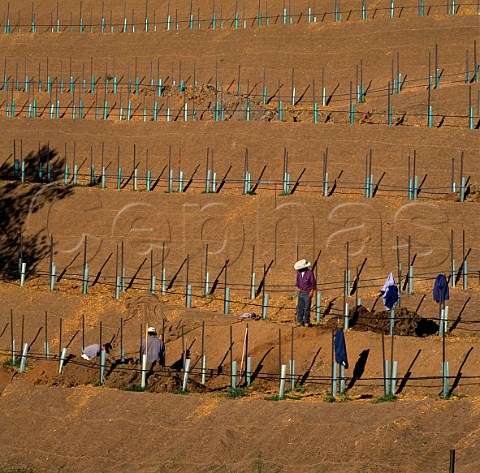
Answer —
422 276
94 111
241 286
273 288
253 303
100 84
196 114
265 184
214 372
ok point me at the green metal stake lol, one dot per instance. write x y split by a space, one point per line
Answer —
204 369
85 279
317 306
185 375
392 321
180 181
52 277
164 281
149 178
234 375
334 380
103 359
346 322
117 287
410 280
23 360
446 378
465 275
393 382
265 306
386 386
143 382
14 350
283 375
63 357
226 305
292 374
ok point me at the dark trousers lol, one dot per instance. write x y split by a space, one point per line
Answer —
303 310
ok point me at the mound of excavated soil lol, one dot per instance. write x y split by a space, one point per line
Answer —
407 322
127 376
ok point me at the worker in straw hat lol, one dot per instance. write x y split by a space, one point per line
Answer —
156 347
305 286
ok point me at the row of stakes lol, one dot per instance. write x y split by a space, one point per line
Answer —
209 286
357 93
338 375
111 83
389 383
156 112
215 21
178 184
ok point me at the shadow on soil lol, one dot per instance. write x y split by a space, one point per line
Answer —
42 170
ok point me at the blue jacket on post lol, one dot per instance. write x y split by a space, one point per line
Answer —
440 289
340 348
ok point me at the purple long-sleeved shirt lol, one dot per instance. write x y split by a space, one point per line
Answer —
156 350
307 281
92 350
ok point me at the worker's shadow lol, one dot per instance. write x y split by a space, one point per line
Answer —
302 379
329 307
359 368
259 367
118 364
408 374
178 364
458 377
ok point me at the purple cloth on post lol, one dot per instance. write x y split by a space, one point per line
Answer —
307 281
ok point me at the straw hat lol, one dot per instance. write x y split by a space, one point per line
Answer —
302 264
152 330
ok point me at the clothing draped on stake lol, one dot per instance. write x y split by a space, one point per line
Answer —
340 348
390 292
440 289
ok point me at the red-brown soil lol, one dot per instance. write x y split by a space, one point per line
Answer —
67 421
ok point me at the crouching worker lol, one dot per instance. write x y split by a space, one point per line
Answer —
92 351
156 347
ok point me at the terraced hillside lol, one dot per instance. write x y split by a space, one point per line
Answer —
198 149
